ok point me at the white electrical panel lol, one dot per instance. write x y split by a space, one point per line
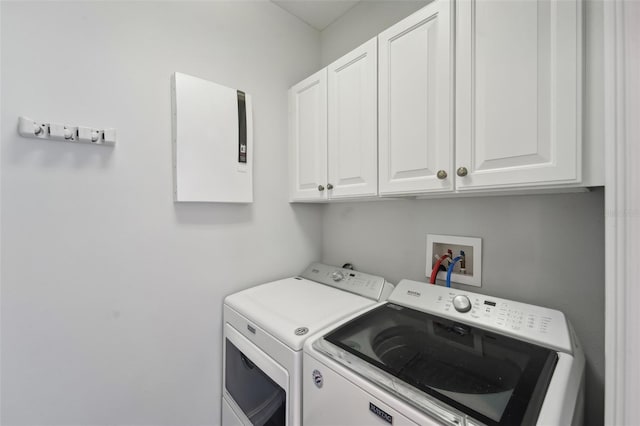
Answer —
213 142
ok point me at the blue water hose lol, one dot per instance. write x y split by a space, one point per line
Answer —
450 270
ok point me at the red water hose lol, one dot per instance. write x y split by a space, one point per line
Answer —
436 268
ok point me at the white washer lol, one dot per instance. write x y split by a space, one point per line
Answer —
265 328
434 355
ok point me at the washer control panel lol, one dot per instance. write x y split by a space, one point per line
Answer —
547 327
337 275
366 285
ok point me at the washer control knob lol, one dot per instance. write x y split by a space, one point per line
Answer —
337 276
461 303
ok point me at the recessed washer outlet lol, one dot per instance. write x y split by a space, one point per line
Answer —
467 270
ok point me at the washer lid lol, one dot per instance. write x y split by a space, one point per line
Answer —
491 377
287 307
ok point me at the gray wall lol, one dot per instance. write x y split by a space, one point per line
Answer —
541 249
361 23
544 249
111 293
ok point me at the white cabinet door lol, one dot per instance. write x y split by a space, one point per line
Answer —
353 132
415 102
518 93
308 138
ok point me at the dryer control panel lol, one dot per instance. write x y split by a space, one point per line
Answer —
370 286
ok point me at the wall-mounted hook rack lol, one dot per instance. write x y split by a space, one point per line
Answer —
62 132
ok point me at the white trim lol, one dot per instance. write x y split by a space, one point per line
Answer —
613 379
622 98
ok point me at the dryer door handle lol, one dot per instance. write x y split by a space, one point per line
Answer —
246 361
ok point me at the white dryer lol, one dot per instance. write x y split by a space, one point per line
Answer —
265 328
434 355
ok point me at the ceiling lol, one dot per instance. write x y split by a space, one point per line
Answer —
317 13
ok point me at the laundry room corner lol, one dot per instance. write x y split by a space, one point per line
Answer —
541 249
111 292
369 137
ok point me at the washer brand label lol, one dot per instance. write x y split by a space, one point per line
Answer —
317 378
381 413
413 293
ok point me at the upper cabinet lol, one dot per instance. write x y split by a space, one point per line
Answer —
333 141
518 93
472 96
353 135
308 138
415 102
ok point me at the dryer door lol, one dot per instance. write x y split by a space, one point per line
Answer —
256 385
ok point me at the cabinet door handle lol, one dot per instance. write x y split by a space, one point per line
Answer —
329 186
462 171
441 174
320 188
